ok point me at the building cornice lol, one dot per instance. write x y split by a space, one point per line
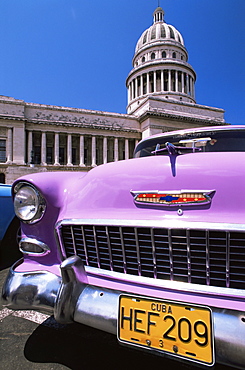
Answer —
91 125
158 113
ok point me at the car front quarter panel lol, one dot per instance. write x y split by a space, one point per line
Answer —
55 190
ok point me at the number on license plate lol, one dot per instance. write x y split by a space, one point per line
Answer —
179 329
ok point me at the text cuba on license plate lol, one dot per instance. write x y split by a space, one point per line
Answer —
179 329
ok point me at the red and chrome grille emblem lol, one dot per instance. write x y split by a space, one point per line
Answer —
172 197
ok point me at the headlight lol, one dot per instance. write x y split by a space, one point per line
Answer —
29 204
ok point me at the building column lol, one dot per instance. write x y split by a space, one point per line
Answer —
190 82
176 81
93 151
30 147
141 85
162 80
133 88
193 88
154 81
187 84
131 91
10 146
69 150
81 151
56 149
105 150
136 87
169 80
115 149
182 82
126 149
147 83
43 149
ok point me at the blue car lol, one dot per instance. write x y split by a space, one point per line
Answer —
9 229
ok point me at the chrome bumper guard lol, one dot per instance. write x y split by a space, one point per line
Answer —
72 299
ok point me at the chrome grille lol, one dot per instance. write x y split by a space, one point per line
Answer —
215 258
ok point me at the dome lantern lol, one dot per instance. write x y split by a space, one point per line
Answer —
158 15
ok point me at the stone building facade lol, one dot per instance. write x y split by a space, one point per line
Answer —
161 97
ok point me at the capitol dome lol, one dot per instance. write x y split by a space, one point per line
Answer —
159 31
160 66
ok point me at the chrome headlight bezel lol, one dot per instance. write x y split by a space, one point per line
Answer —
29 208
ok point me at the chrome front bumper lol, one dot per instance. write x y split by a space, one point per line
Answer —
71 298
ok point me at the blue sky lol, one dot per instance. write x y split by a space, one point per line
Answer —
78 53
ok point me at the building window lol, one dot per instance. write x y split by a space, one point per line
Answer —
63 149
185 83
75 149
174 55
50 147
153 33
2 178
36 152
50 155
163 32
143 60
62 155
171 33
164 55
151 82
165 79
2 151
173 80
153 55
158 81
179 82
144 83
138 92
36 155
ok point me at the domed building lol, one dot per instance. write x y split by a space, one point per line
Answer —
161 97
161 85
160 66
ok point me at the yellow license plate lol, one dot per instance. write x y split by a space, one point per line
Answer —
179 329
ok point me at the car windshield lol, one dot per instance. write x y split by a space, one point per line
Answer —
206 141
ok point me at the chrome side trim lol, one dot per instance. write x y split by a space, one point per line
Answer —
166 284
155 223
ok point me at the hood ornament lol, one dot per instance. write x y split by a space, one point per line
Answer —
172 197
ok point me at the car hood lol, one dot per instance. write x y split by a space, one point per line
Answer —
106 191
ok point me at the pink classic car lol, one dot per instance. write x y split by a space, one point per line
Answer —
151 249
